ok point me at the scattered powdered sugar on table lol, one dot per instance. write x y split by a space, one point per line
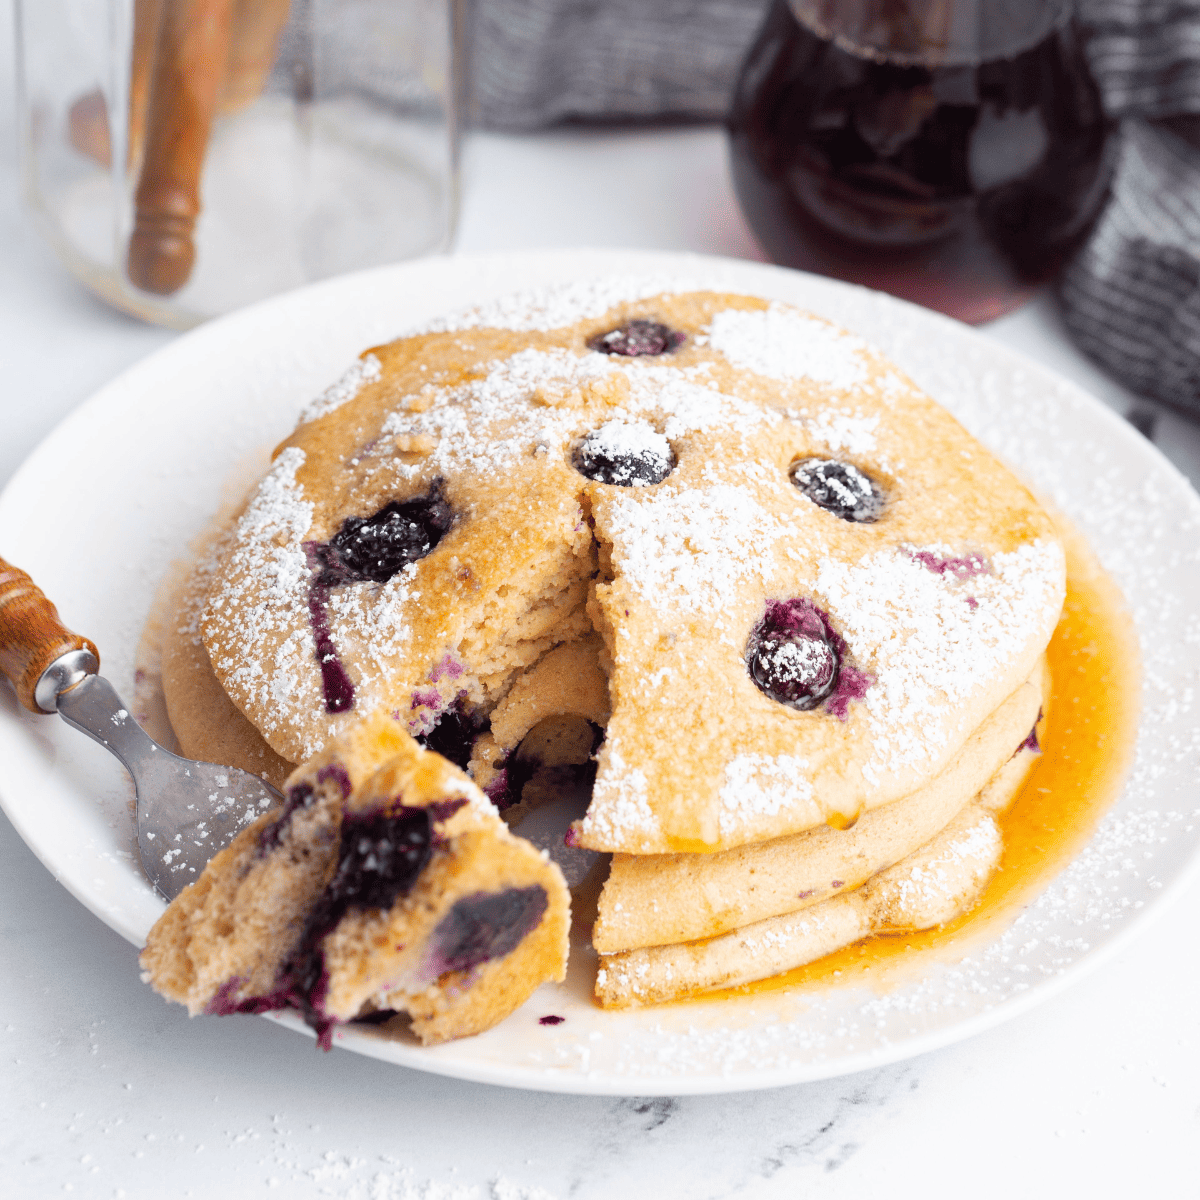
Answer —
293 1163
690 550
757 785
366 370
780 343
929 638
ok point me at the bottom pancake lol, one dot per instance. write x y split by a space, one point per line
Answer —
207 724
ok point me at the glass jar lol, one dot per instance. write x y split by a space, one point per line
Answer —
951 152
187 157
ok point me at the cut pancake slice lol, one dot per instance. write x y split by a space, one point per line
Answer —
386 884
312 625
929 887
657 900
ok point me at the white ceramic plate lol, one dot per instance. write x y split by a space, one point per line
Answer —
109 500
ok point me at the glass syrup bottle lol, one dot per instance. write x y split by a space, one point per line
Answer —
951 152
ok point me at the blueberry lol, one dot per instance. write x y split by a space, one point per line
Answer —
378 547
484 926
637 339
839 488
625 454
367 548
453 737
380 857
794 655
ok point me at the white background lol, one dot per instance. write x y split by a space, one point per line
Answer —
107 1091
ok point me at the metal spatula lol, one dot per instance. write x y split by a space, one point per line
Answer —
186 811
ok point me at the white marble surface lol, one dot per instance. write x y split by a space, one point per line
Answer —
105 1091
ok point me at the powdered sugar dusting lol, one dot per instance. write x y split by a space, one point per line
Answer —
531 402
366 370
266 581
543 309
690 550
784 344
837 430
757 785
928 643
271 574
620 802
933 886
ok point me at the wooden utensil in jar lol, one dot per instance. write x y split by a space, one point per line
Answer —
209 55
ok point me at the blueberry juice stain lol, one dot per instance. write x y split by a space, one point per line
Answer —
958 176
367 549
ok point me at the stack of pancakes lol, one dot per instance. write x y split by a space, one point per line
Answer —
706 546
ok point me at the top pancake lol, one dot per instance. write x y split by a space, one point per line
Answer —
943 604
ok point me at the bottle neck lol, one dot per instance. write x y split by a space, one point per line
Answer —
932 33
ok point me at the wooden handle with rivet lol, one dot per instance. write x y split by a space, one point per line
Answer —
31 635
185 84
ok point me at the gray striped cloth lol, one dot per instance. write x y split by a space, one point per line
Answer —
1131 297
539 62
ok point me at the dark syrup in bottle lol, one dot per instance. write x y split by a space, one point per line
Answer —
950 178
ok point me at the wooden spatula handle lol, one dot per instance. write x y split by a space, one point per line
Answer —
31 635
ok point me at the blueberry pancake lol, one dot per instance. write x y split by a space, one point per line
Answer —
806 587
